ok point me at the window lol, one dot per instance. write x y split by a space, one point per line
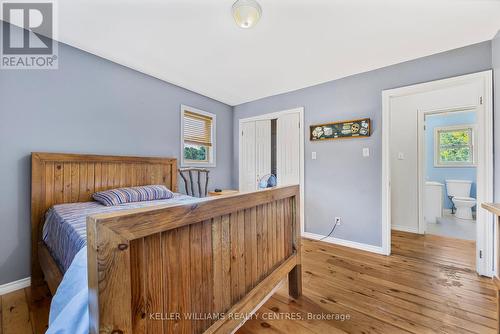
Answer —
198 137
454 146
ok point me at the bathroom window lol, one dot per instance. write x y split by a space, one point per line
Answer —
454 146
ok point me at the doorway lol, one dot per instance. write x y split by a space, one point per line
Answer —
403 167
449 159
272 144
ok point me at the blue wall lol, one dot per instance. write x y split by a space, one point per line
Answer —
340 182
440 174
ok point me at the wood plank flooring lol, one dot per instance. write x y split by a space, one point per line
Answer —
428 285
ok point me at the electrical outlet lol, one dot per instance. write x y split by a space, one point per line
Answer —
338 220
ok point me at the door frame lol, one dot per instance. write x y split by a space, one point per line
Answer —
273 115
485 265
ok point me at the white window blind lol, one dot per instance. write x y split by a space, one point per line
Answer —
197 129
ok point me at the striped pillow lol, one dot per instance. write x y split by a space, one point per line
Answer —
133 194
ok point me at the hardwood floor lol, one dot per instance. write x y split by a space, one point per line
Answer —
428 285
17 316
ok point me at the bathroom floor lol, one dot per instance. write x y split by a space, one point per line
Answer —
449 226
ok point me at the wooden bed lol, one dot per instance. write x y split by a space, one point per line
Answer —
172 268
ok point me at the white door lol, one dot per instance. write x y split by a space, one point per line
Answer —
288 149
248 167
262 148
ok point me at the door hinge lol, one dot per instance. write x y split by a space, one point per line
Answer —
242 133
480 100
480 254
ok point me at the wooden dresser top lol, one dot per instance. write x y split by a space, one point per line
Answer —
492 207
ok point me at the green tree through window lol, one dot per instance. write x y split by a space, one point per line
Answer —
196 153
455 146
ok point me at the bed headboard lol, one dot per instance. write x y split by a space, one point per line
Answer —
66 178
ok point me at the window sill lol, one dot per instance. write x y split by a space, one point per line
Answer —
197 164
456 166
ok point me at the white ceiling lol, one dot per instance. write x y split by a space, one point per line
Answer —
297 43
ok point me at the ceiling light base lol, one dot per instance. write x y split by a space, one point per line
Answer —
246 13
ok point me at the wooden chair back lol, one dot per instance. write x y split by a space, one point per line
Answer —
188 176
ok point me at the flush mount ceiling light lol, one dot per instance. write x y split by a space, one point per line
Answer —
246 13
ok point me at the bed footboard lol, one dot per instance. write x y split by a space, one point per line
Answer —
198 267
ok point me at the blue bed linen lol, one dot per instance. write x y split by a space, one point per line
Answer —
69 311
65 228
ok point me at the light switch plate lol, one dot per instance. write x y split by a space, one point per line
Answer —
313 155
366 152
401 156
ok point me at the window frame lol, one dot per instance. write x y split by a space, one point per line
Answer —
455 164
212 150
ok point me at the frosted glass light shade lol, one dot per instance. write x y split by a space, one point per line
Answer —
246 13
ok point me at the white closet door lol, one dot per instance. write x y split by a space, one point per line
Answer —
248 172
262 148
288 149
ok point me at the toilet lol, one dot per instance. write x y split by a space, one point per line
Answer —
459 192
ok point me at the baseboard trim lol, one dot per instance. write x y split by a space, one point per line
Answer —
16 285
343 242
405 228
